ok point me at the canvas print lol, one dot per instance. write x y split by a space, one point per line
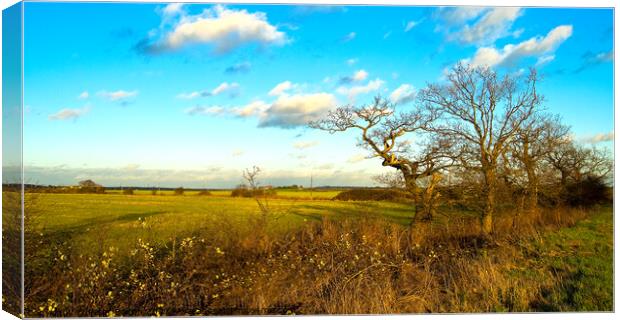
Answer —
205 159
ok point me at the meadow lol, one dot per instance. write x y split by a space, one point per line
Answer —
155 255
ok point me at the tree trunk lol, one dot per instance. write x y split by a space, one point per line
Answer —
532 191
412 187
430 196
486 220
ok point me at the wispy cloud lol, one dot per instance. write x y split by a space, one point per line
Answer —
403 94
352 61
511 53
600 137
280 88
213 110
120 96
83 95
354 91
241 67
411 24
231 88
476 25
305 144
359 75
222 28
69 114
590 59
349 37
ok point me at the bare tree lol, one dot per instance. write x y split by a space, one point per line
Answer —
484 112
383 132
537 138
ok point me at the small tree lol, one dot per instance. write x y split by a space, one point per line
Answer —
383 133
179 191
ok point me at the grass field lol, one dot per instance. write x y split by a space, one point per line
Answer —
319 194
88 217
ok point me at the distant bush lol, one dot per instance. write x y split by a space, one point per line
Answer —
179 191
372 195
588 192
128 191
89 186
204 193
154 192
243 191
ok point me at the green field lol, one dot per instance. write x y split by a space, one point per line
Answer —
118 219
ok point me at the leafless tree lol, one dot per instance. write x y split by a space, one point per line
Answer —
484 112
383 132
536 139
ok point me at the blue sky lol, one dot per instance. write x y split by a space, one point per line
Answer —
155 94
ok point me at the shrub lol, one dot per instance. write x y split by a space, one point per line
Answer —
372 195
204 193
128 191
179 191
245 192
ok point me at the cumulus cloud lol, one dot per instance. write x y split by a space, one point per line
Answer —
354 91
280 88
83 95
241 67
403 94
120 95
231 88
255 108
222 28
601 137
297 110
68 114
305 144
511 53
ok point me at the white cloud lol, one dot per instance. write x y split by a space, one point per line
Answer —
360 75
225 87
403 94
511 53
459 15
67 113
280 88
117 95
189 95
352 61
214 110
255 108
544 60
356 158
237 152
231 88
83 95
305 144
297 110
173 9
354 91
349 37
494 24
224 29
601 137
410 25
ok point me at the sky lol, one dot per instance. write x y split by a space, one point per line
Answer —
189 95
